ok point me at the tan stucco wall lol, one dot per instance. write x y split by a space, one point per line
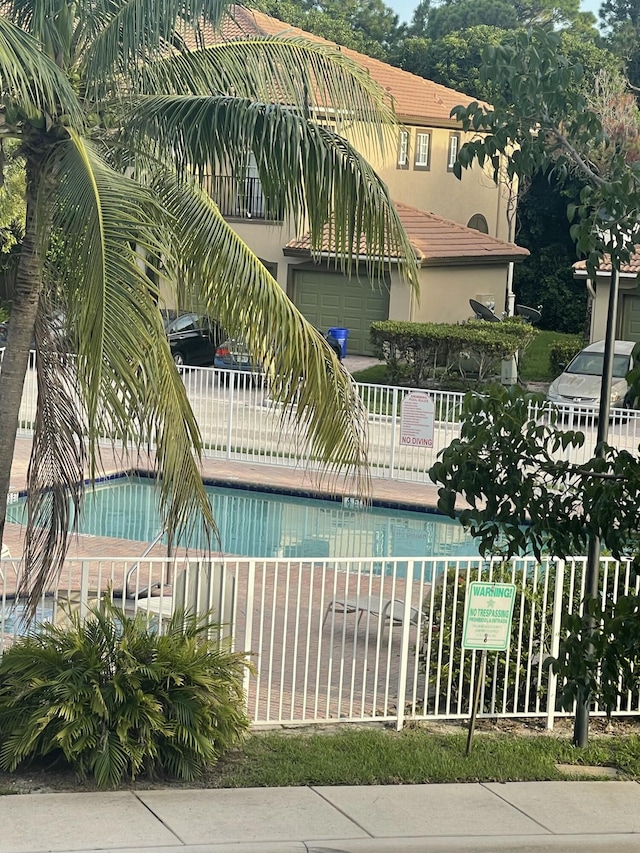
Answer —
599 311
445 292
436 189
267 241
401 298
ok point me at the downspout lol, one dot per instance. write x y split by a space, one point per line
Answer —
511 211
511 297
592 301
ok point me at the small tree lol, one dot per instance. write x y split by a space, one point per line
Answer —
541 121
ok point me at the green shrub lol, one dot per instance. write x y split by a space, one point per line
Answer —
510 675
416 353
114 699
561 353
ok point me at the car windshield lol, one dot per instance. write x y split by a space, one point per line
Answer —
590 364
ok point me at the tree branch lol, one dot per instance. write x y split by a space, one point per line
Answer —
574 154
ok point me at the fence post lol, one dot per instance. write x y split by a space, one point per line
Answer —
248 627
84 589
404 643
392 449
232 386
556 620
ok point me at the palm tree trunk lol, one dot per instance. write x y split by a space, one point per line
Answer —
21 330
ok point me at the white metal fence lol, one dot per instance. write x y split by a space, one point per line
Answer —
350 640
346 639
239 422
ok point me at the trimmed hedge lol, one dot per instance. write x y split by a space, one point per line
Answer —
416 353
561 353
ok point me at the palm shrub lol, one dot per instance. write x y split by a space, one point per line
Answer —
114 699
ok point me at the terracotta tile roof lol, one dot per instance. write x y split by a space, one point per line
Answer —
416 100
436 242
631 268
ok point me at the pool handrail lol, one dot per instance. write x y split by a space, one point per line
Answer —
134 568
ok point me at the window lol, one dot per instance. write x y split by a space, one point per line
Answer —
478 223
403 150
270 267
185 323
423 150
454 144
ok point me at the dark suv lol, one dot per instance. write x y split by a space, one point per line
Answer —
193 339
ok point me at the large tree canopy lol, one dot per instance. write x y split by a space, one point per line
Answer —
546 276
437 19
119 126
460 15
455 60
622 21
368 26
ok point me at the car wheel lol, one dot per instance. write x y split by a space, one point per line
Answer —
178 360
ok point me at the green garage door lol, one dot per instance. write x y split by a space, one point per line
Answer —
330 299
631 318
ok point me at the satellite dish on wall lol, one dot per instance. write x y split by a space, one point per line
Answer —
482 312
533 315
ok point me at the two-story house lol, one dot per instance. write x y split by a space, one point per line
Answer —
460 230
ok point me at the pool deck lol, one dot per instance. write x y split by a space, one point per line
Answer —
274 477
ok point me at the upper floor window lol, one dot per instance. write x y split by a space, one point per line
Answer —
403 149
454 145
423 150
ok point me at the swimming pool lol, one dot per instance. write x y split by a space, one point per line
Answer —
263 524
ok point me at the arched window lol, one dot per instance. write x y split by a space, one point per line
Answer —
478 223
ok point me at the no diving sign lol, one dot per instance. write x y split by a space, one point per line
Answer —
416 423
488 612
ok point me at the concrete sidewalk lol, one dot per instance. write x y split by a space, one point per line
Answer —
519 817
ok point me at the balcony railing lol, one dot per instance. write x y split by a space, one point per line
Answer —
244 199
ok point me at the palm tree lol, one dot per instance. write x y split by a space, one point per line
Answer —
122 115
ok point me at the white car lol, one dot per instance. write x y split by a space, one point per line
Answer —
580 382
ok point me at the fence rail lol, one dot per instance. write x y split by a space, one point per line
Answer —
348 640
238 421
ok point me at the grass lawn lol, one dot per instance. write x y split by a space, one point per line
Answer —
534 364
414 756
349 755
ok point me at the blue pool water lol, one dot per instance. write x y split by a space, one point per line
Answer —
263 524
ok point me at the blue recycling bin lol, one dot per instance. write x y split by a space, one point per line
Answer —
341 336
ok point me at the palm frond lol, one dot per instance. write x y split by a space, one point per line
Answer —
55 479
126 374
316 79
229 281
313 172
133 32
35 82
39 18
